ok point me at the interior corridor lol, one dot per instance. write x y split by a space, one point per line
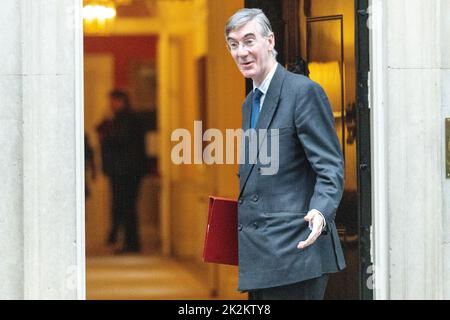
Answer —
176 75
140 277
162 55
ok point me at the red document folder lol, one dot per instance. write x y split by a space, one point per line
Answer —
221 243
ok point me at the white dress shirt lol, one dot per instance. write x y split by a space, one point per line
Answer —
264 86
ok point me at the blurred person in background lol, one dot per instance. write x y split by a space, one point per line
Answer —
122 141
89 164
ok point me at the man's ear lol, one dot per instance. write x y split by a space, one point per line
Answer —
271 39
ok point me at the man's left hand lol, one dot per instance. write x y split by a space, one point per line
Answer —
316 219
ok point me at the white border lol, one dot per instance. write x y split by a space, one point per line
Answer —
377 101
79 140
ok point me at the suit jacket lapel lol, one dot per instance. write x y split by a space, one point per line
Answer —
265 118
246 112
270 102
270 106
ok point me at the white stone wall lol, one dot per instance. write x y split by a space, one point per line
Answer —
445 96
41 237
11 197
413 147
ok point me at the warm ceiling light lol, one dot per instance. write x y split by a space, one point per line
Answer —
100 12
98 15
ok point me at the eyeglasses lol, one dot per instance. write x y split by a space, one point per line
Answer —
246 44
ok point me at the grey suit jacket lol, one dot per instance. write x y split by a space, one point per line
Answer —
271 208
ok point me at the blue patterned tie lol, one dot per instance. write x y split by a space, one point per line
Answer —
255 107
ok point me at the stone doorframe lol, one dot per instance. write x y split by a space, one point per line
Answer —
42 162
42 168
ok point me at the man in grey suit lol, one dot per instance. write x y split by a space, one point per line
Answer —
288 242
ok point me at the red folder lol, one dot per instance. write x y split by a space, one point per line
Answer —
221 239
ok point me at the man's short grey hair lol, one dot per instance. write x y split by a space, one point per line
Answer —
244 16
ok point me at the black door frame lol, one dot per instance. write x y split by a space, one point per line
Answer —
274 10
363 146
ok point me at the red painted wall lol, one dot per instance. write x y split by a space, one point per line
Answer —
124 49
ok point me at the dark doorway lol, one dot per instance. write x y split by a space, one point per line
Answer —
327 40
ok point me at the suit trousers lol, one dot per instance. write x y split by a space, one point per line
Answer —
125 191
313 289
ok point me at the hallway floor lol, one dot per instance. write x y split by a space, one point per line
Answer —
141 277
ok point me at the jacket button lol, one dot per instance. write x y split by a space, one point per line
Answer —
255 225
240 201
240 227
255 197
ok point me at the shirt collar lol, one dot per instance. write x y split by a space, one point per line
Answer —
265 84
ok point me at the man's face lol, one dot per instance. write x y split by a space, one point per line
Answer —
116 104
251 51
